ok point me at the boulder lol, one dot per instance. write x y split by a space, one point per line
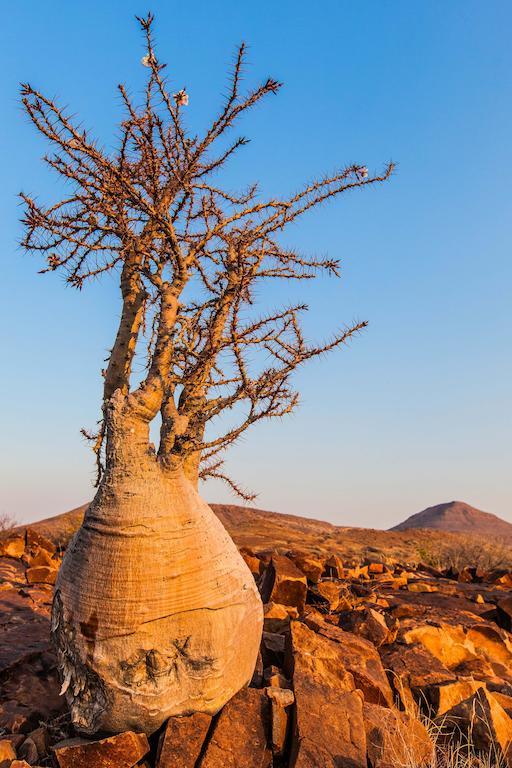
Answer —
324 689
444 641
483 722
360 658
41 557
181 741
395 738
411 669
254 564
42 574
36 540
283 583
370 624
311 567
123 750
276 618
445 697
329 593
242 733
13 546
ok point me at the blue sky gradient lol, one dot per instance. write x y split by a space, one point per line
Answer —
417 410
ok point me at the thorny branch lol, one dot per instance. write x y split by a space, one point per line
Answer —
190 256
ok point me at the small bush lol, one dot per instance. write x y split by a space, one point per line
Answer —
466 551
7 524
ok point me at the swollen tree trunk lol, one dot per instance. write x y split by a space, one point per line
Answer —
155 612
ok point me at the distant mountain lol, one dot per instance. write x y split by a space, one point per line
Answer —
459 517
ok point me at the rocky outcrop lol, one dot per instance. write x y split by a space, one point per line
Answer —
348 652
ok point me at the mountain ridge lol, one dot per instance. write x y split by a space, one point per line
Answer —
456 517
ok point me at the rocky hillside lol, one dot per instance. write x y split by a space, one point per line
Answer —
458 516
272 531
353 659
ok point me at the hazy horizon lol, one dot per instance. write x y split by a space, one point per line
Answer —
416 411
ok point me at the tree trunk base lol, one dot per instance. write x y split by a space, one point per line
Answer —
155 612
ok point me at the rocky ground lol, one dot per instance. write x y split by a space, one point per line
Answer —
353 659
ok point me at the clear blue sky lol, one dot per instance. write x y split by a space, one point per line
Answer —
418 409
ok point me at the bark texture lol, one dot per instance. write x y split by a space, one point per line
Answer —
155 612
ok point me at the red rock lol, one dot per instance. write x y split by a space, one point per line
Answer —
255 565
328 725
376 568
411 669
445 697
395 739
41 574
14 546
34 540
361 659
330 593
484 722
122 751
241 734
41 557
334 567
181 742
370 624
277 617
310 566
283 583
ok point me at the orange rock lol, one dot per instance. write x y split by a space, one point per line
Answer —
277 617
123 751
395 739
254 564
42 557
330 592
283 583
34 540
241 734
14 546
360 658
422 586
412 669
370 624
376 568
328 723
310 566
42 574
504 701
445 697
334 567
7 753
446 642
483 721
181 742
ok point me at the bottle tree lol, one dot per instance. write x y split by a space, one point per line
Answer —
155 613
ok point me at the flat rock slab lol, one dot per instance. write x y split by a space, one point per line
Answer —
121 751
241 735
182 741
